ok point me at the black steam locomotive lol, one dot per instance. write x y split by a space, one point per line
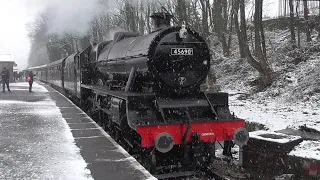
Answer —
145 89
169 59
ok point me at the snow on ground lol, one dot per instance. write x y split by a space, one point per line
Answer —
277 115
35 141
308 149
291 101
293 98
23 86
272 136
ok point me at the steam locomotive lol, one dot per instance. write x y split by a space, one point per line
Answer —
145 90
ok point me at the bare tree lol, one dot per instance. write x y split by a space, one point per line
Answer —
318 21
261 66
219 19
181 11
298 21
141 19
237 27
130 17
148 23
205 9
195 17
305 12
292 22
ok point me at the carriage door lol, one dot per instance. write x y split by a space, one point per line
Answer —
63 66
76 75
79 72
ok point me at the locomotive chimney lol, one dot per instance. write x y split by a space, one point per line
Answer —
161 20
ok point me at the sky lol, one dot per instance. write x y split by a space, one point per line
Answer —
15 14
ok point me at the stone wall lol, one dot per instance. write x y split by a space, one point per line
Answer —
283 23
271 158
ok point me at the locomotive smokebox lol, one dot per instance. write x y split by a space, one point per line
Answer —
161 20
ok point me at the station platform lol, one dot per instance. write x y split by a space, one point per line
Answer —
43 135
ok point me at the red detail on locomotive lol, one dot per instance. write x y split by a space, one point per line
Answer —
311 169
209 132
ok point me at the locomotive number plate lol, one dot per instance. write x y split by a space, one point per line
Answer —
181 51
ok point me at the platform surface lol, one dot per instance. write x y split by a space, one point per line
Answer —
43 135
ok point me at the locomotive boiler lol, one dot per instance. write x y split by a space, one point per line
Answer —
169 59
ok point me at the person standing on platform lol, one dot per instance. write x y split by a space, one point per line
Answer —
30 77
5 75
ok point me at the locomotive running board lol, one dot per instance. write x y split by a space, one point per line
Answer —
102 90
175 175
180 104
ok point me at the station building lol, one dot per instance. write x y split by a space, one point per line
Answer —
9 64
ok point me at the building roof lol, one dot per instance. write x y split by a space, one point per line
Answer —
6 61
5 58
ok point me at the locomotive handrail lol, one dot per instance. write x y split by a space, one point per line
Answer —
184 138
119 94
181 43
172 104
130 79
123 58
211 106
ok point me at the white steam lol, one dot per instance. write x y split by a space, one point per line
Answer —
111 32
66 16
71 16
74 16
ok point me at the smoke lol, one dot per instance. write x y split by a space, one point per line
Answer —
110 34
67 16
74 16
71 16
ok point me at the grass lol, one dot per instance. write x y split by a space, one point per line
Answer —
253 126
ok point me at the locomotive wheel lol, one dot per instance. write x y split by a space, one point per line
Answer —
210 153
104 126
109 126
111 130
100 82
104 121
150 162
127 137
117 135
97 115
153 162
227 145
89 106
